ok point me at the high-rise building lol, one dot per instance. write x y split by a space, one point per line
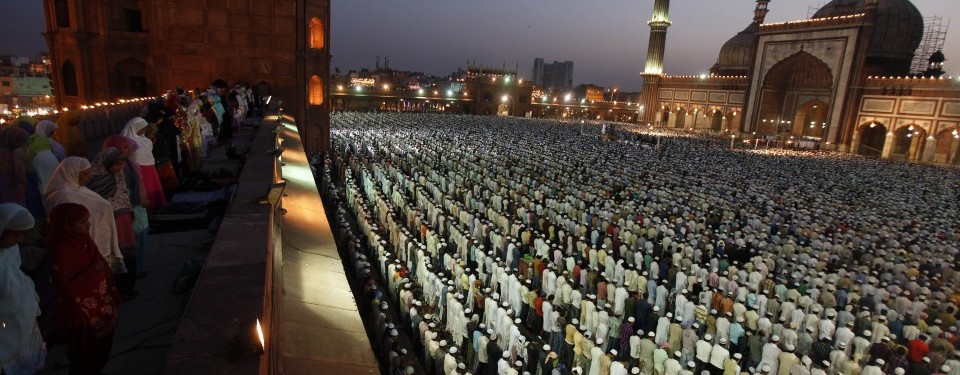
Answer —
105 50
557 74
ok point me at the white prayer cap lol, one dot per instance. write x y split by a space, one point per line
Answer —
635 370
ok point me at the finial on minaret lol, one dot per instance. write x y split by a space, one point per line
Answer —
760 13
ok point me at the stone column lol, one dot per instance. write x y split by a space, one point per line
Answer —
887 146
854 144
929 150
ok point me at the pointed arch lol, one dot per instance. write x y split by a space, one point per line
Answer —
317 33
68 76
315 95
872 137
799 70
61 9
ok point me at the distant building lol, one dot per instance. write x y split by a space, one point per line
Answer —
591 93
26 87
23 82
554 75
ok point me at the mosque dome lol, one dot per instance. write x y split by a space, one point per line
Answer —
897 33
738 53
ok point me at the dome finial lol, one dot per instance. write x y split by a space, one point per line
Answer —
760 13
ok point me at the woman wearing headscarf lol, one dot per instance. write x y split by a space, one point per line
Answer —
108 181
13 176
70 135
45 159
191 138
143 156
165 145
67 186
131 175
22 351
34 200
88 298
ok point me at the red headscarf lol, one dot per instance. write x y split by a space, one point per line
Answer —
84 281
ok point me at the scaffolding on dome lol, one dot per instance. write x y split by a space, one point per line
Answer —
813 8
934 38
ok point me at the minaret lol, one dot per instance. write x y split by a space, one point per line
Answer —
759 17
653 69
760 14
658 37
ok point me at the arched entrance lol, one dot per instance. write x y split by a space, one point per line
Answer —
716 123
948 147
68 75
812 119
129 79
789 92
908 143
681 118
872 138
664 117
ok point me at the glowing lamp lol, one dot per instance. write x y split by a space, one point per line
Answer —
249 340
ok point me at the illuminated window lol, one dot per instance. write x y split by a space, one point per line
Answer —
69 77
316 91
316 33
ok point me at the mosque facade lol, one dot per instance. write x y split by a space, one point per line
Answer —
840 80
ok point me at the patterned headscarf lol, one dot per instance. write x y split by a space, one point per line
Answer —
102 181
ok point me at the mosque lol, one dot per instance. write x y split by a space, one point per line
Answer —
840 80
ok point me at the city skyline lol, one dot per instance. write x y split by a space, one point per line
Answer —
438 37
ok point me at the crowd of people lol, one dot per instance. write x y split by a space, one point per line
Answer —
502 246
89 214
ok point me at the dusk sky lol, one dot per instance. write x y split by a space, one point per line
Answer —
605 39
